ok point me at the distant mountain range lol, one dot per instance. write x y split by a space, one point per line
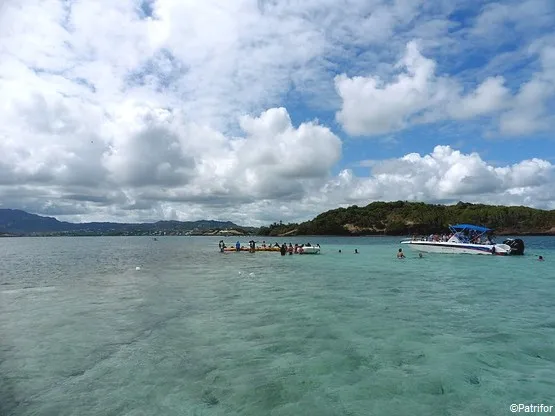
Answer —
15 222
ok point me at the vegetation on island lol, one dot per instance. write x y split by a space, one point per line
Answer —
410 218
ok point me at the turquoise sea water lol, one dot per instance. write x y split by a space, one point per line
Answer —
197 332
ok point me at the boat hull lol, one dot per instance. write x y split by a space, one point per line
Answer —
256 249
311 250
458 248
305 250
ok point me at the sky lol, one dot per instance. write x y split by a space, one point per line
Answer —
258 111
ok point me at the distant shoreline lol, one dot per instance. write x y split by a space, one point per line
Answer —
271 237
377 219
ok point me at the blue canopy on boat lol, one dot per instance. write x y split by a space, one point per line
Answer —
470 227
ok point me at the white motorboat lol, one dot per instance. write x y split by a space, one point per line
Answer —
467 239
309 250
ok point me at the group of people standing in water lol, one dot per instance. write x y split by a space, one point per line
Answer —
283 248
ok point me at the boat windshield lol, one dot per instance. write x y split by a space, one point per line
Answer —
461 233
474 234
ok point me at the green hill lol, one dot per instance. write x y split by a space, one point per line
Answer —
407 218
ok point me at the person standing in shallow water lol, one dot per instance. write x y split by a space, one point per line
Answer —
283 249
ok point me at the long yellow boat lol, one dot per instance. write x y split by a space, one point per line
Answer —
256 249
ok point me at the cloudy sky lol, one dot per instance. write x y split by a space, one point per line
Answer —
265 110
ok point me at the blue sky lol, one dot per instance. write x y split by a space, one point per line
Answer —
258 110
508 46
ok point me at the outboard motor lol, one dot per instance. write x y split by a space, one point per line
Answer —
517 246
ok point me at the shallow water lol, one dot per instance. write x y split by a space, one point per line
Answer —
197 332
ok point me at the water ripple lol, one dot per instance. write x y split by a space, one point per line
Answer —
82 332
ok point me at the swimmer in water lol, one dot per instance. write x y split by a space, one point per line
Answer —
400 254
420 255
356 251
540 258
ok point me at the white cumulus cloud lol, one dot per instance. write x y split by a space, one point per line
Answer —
196 109
449 175
417 94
